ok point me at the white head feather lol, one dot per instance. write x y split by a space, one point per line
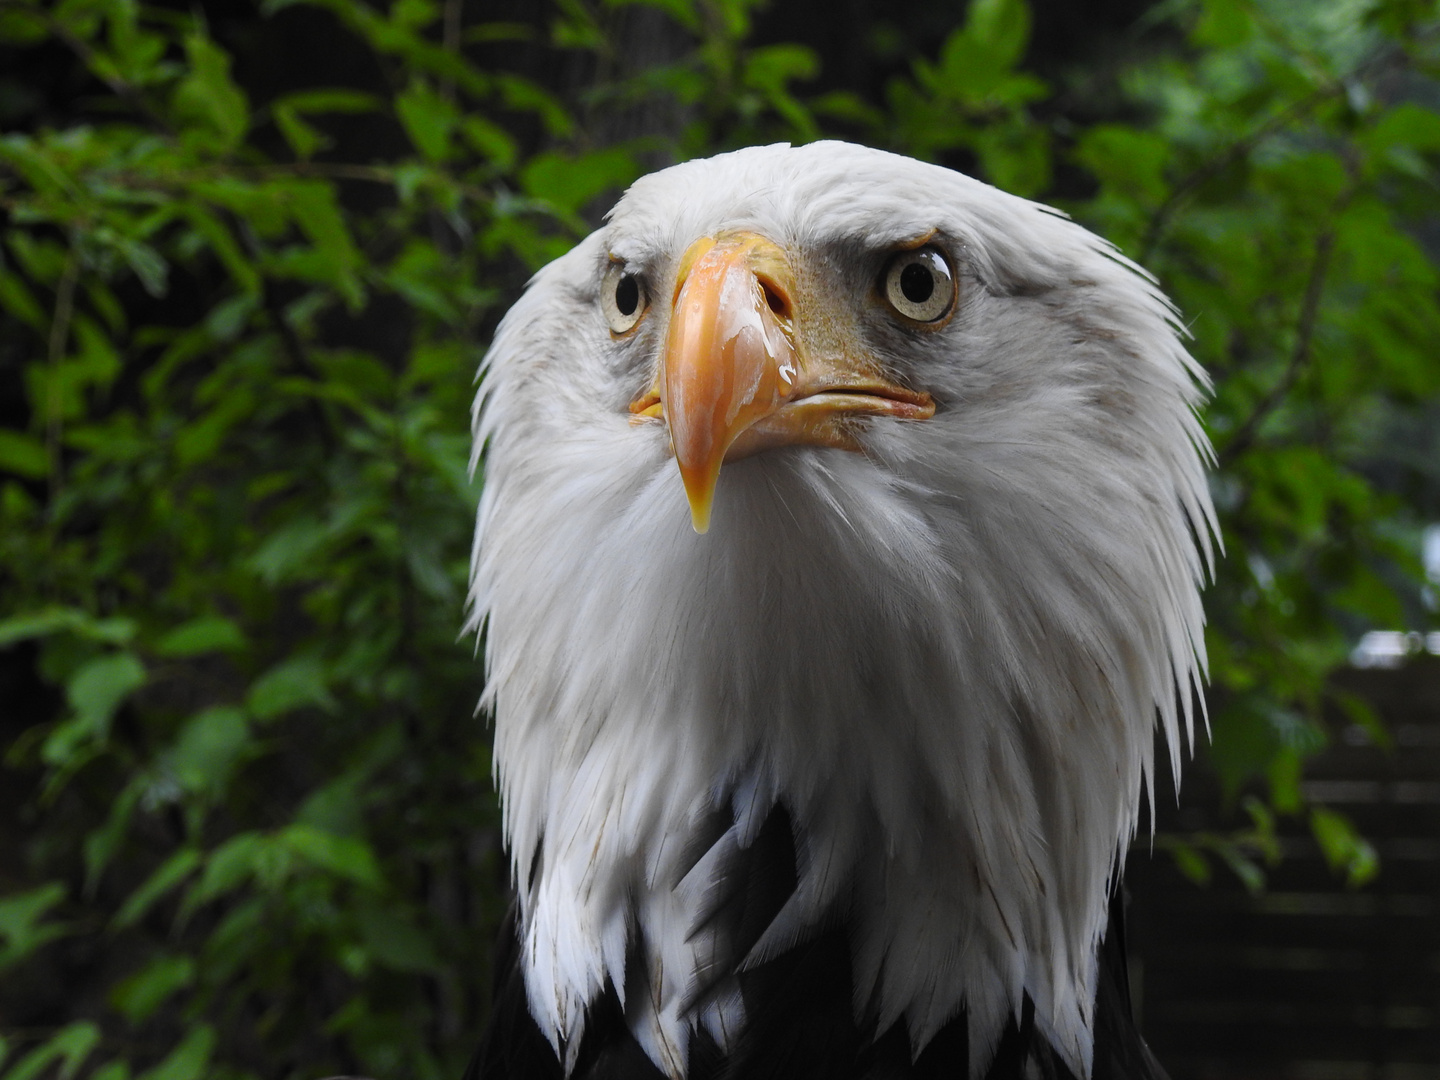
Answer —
946 655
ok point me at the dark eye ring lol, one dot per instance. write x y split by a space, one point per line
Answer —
622 297
920 285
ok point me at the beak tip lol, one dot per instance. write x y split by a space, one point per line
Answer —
700 494
700 516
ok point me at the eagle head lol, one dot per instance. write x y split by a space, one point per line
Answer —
827 483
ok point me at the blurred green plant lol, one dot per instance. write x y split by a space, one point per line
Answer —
238 544
1279 189
235 513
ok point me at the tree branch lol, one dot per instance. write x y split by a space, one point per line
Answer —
1299 356
1241 147
1216 165
59 338
120 87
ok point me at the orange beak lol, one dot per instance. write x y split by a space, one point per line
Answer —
733 381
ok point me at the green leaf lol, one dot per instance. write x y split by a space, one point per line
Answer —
104 842
335 808
69 1046
685 12
1224 24
416 14
22 28
23 455
211 743
1264 835
1284 776
44 260
773 66
22 925
16 298
188 1061
304 138
168 875
1002 27
1344 848
316 211
95 691
201 440
427 118
239 938
1015 157
227 320
107 305
491 141
850 108
1127 159
1190 862
1402 139
222 242
976 60
345 856
288 549
431 361
329 101
263 207
39 624
1242 744
1407 124
152 270
1365 716
569 182
396 942
137 997
228 867
1244 867
208 98
525 96
207 634
292 684
359 372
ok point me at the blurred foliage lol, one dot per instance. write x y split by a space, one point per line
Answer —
237 339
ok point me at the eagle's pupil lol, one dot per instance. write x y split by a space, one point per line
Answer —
627 295
917 283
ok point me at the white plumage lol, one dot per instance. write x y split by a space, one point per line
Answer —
945 654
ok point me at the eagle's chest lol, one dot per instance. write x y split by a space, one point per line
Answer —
830 666
746 1011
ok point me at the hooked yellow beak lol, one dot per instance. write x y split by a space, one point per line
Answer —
733 381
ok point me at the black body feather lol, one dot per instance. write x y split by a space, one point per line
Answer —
800 1020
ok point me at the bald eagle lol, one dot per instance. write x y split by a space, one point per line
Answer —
843 526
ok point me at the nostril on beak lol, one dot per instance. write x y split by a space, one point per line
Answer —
775 297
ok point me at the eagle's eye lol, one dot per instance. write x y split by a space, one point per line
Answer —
622 295
919 285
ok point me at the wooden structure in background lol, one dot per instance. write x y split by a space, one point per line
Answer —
1310 980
